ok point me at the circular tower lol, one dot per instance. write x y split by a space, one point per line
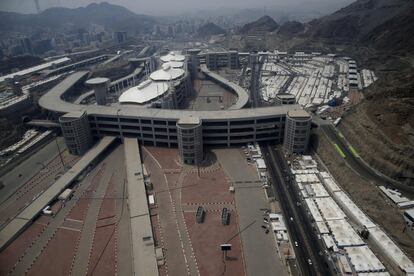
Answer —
100 87
190 140
297 131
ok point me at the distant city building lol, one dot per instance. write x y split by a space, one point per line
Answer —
120 37
27 45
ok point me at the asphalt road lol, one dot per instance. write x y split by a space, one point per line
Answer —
298 223
358 165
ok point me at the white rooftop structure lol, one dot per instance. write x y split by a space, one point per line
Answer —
167 73
363 259
37 68
176 64
329 209
319 190
343 233
306 178
173 56
374 274
329 242
392 251
313 209
352 210
331 185
322 228
261 165
145 92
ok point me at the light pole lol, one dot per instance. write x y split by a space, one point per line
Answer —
60 154
119 123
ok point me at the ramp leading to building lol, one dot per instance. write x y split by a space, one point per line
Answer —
27 215
143 249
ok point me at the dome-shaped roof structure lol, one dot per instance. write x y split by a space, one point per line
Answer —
145 92
173 56
167 73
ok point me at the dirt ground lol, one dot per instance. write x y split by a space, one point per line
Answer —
367 196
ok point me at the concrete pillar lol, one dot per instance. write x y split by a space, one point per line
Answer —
100 87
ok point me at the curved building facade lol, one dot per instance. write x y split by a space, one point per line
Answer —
190 140
297 131
282 99
76 131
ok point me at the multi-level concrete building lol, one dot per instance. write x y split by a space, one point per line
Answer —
217 60
100 88
190 140
167 126
297 131
76 131
282 99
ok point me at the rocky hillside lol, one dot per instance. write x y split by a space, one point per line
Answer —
358 19
379 34
291 28
111 16
395 35
210 29
263 24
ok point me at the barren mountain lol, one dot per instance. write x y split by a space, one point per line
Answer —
263 24
209 29
111 16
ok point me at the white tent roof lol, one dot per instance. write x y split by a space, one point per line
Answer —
167 73
176 64
144 92
173 56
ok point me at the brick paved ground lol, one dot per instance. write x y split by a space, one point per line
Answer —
56 259
10 255
209 190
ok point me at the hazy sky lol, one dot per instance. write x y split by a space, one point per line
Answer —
173 7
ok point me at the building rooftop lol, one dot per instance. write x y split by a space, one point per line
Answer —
173 56
190 120
53 101
392 250
145 92
167 73
354 211
363 259
176 64
96 81
343 233
72 115
329 209
35 69
299 114
316 215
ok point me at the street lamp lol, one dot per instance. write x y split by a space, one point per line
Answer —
119 123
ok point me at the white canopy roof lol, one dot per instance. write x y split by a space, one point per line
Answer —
144 92
176 64
173 56
167 73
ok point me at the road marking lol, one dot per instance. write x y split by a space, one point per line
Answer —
339 150
341 135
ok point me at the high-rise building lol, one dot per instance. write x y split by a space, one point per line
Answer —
76 131
120 37
190 140
297 131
